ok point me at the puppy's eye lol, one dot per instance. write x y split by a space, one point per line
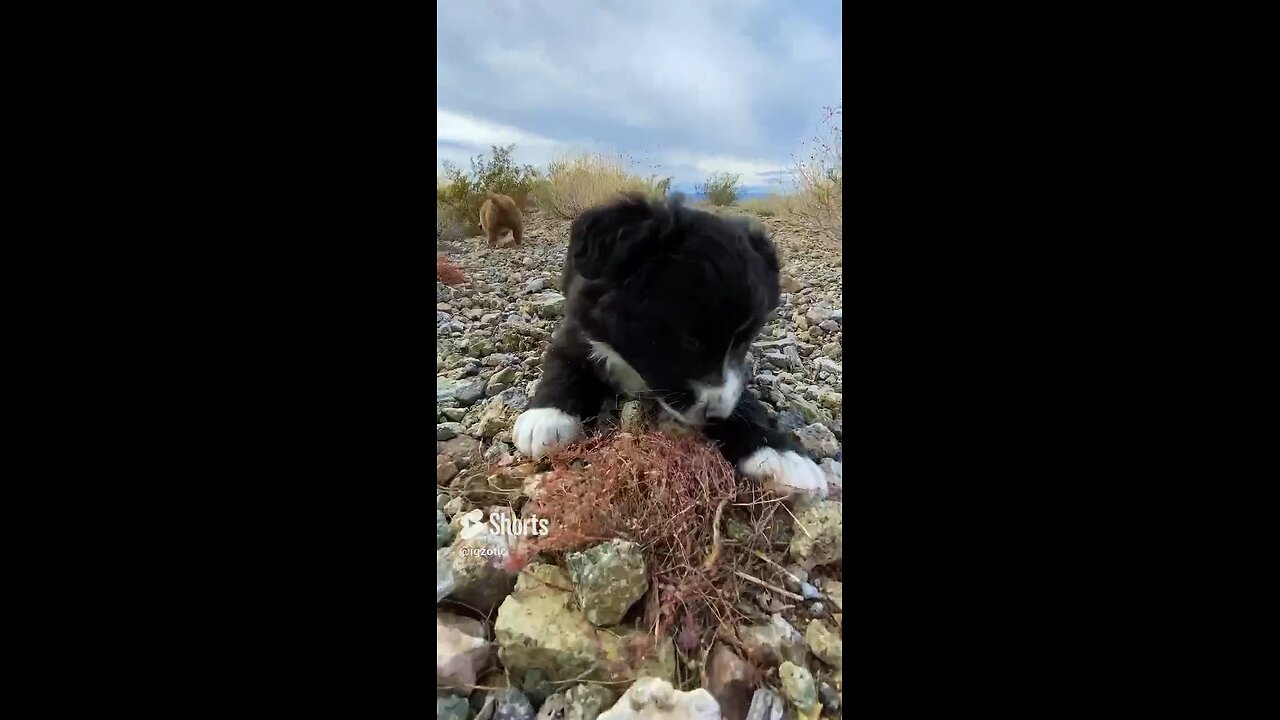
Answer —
691 344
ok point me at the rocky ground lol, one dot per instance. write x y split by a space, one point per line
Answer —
546 640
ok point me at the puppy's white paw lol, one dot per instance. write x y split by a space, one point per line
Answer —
538 430
786 473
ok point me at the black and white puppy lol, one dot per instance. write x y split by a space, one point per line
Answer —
663 301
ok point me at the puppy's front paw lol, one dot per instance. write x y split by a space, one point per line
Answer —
785 472
538 430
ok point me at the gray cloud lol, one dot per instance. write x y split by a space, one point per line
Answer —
682 88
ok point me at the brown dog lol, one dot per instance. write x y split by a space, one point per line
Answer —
499 217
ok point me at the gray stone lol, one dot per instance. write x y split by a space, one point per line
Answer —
548 304
833 401
819 441
468 394
514 399
580 702
825 364
496 418
830 698
480 348
446 470
766 705
511 704
812 413
834 472
816 315
505 375
773 642
455 506
607 580
443 532
793 357
451 707
475 561
790 419
446 389
449 430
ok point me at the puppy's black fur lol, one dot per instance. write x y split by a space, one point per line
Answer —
679 294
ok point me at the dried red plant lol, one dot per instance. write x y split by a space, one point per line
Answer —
670 495
448 273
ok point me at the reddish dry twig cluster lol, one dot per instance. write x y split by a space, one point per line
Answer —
448 273
672 496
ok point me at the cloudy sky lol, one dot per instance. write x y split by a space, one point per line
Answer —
683 88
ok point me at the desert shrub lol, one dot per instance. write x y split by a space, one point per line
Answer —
448 229
820 179
448 273
721 189
576 183
462 193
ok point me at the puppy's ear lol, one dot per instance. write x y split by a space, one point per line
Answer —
758 237
614 239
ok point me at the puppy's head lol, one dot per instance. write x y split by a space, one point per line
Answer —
671 299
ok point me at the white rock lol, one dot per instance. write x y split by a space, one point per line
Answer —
654 699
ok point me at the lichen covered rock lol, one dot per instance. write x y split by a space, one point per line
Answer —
818 534
607 580
798 686
543 638
824 643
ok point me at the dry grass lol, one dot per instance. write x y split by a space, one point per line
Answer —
772 205
820 179
695 520
448 229
577 183
818 200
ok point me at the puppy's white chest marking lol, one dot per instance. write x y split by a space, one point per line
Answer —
619 370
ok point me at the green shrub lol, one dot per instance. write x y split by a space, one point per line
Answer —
459 195
721 189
